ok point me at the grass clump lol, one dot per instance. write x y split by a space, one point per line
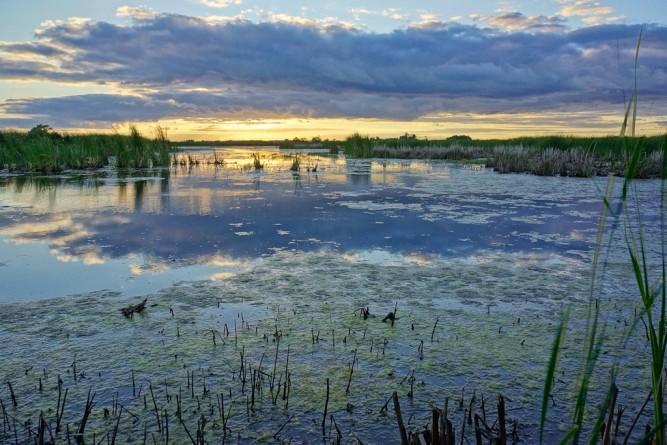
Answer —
44 150
359 146
547 162
257 162
296 164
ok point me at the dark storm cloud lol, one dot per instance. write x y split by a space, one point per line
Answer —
308 70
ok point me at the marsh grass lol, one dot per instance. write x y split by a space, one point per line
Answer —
47 151
296 164
652 314
257 162
604 146
453 152
545 156
358 146
651 293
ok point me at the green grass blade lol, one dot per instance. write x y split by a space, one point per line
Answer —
551 370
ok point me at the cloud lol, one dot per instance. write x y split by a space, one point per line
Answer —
219 3
591 12
516 21
325 24
174 65
136 13
584 8
391 13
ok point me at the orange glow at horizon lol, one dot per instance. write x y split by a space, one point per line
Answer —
478 126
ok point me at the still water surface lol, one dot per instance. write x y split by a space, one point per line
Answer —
481 266
140 231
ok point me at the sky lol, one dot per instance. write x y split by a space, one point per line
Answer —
277 69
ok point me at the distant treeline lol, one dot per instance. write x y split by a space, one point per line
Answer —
44 150
315 142
228 143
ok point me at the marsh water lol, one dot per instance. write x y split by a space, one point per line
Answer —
269 267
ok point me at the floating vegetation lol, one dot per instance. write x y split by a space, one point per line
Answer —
44 150
248 358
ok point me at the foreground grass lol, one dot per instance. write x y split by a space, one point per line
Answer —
46 151
546 156
624 212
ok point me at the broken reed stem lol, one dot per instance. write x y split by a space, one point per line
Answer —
275 436
86 413
606 438
349 380
275 363
399 419
478 431
11 393
286 374
115 430
326 408
502 440
636 418
435 426
157 412
59 413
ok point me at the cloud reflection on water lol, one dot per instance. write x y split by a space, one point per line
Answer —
208 221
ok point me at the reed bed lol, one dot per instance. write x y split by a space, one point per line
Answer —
450 152
575 161
601 146
44 150
359 146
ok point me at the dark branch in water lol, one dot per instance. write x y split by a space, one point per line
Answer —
129 311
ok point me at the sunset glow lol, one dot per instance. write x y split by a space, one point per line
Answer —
251 70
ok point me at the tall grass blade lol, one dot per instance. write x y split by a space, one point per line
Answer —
551 371
632 104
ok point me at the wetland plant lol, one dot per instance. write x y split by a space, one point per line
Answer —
256 162
652 315
44 150
358 146
448 152
650 279
296 164
545 156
